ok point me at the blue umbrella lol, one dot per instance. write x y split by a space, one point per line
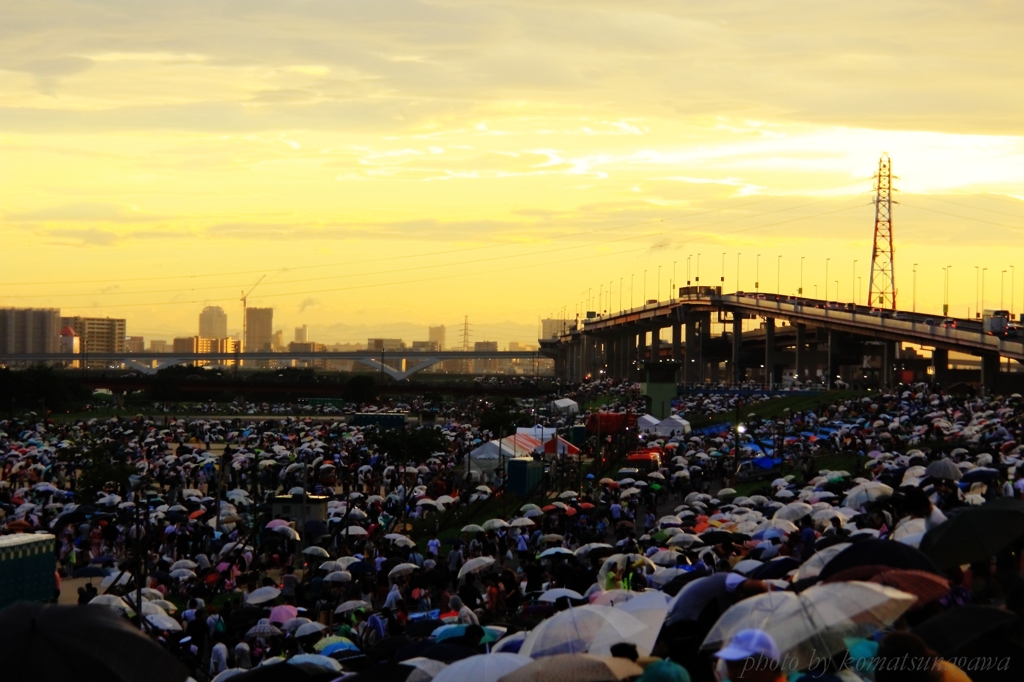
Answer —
90 572
338 646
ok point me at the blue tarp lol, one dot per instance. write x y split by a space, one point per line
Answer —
766 462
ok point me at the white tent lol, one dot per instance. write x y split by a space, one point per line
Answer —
647 423
488 456
672 426
565 406
541 433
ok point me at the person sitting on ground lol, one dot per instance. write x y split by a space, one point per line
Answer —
466 615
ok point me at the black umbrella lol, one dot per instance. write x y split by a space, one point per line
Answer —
952 630
975 534
315 528
45 642
423 628
775 569
386 648
716 537
881 552
443 652
90 572
287 672
386 672
359 567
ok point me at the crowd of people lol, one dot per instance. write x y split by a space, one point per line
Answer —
242 543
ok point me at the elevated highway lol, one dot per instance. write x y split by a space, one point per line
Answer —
840 333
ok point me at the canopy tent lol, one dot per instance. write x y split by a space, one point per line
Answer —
539 432
560 446
564 406
488 456
672 426
647 423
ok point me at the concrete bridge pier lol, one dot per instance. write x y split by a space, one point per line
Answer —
888 362
737 348
832 364
677 342
989 371
801 352
940 365
769 352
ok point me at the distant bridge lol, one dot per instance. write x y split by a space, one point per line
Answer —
149 362
823 334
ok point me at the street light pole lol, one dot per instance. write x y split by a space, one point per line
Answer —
738 270
1013 274
826 277
723 270
977 288
914 309
778 276
632 277
983 271
757 274
644 303
620 294
945 303
853 283
697 278
1002 281
675 289
801 290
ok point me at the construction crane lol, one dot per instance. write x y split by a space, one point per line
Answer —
245 304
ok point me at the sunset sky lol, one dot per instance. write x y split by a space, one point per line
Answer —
389 165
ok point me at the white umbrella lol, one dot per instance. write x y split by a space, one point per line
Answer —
495 524
472 528
182 574
356 531
403 569
184 563
263 629
121 579
859 495
482 668
475 565
338 577
557 593
572 631
794 511
813 566
555 550
650 608
352 605
163 622
287 531
309 629
315 551
262 595
815 621
331 566
522 522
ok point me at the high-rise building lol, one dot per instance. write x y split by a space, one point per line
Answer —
30 330
259 329
135 344
437 335
425 346
301 334
99 334
277 340
485 365
552 327
213 323
385 344
197 344
158 346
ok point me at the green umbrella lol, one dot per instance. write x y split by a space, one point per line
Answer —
655 486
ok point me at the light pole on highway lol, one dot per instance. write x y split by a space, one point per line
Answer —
945 293
983 271
757 274
853 283
801 289
697 278
632 278
1013 274
1002 280
837 290
826 277
778 276
658 295
914 309
689 280
738 270
722 282
620 294
644 302
675 287
977 288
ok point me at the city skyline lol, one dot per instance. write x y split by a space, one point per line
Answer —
443 161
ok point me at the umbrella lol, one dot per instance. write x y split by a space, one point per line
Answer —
927 587
282 613
263 629
316 660
473 528
483 668
975 534
315 551
650 608
307 629
812 567
352 605
338 577
814 622
48 642
163 622
575 668
331 566
884 552
943 468
90 572
443 651
475 565
952 630
262 595
557 593
573 630
405 569
495 524
443 632
554 551
861 494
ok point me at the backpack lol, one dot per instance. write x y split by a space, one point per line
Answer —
219 626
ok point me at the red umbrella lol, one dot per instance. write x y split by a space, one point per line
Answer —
197 514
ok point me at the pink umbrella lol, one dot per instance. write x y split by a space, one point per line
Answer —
283 613
277 523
